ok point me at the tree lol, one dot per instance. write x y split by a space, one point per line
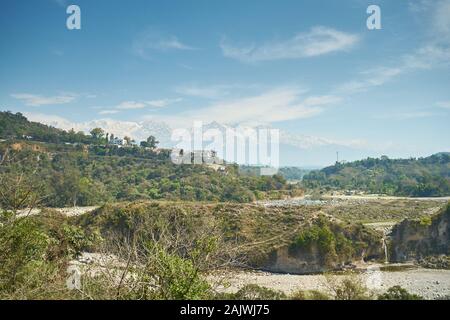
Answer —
97 134
21 243
151 142
167 255
349 288
127 139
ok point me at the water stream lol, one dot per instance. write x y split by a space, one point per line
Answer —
384 247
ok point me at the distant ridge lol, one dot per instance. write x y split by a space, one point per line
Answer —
422 177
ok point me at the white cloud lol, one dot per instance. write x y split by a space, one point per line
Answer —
434 13
443 104
406 115
62 3
417 114
210 91
141 130
418 6
152 40
216 91
441 20
103 112
35 100
275 105
128 105
426 57
434 53
186 66
318 41
171 43
308 142
321 100
161 103
370 78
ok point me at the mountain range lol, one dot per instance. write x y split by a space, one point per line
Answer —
295 149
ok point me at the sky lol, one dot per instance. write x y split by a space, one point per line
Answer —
309 68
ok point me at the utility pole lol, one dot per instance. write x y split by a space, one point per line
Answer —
337 156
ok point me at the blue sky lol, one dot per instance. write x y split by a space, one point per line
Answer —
309 68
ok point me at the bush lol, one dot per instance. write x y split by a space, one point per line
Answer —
349 288
35 251
398 293
425 221
178 278
309 295
39 280
334 241
256 292
21 244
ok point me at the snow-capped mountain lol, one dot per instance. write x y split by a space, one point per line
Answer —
295 149
136 130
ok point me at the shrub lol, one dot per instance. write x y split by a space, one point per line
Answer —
178 278
21 244
309 295
349 288
398 293
256 292
425 221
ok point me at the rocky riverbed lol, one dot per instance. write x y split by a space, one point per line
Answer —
428 283
68 211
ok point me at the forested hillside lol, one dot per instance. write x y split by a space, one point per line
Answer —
67 168
16 126
65 175
293 173
424 177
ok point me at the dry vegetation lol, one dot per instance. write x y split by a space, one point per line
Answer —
380 210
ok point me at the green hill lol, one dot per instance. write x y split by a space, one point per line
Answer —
422 177
68 168
17 126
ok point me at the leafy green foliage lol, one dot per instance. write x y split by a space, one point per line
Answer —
398 293
16 126
351 289
423 177
335 242
34 251
151 142
98 136
309 295
293 173
178 278
22 244
72 176
255 292
87 170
